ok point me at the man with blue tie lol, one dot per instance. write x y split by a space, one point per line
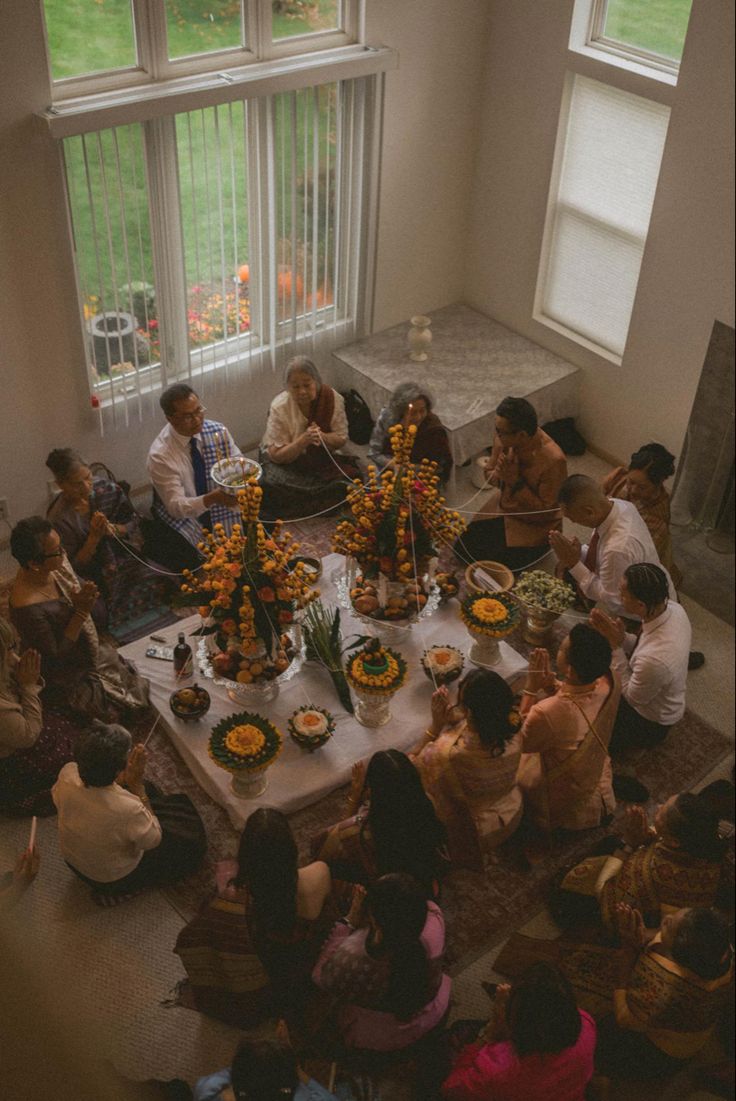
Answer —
185 500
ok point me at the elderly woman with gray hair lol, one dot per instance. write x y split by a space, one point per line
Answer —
412 404
117 832
307 426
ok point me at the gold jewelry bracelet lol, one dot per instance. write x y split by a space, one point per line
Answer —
428 734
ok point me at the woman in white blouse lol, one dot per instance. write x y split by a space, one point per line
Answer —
307 426
113 826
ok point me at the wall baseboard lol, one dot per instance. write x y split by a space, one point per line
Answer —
605 455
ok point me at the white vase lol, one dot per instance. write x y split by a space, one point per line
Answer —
420 338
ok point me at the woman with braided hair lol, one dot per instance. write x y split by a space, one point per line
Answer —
642 483
653 665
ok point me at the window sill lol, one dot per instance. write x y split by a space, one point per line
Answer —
577 338
607 55
170 97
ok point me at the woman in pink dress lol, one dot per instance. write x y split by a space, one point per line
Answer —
538 1044
382 965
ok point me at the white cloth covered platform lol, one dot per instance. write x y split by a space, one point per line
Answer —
298 777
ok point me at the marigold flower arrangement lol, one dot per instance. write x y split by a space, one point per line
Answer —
249 594
377 669
398 519
311 727
494 615
244 741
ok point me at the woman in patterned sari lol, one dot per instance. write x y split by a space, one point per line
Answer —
51 610
677 863
307 426
249 951
642 483
671 992
468 761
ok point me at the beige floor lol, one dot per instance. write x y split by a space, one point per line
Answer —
120 962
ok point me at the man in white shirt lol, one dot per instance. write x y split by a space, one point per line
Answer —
619 539
179 464
104 828
653 664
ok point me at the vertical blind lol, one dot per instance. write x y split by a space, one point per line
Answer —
598 220
219 240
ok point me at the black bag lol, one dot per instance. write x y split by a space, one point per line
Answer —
566 436
360 421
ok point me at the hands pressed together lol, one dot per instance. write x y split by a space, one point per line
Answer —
568 551
83 599
28 669
613 630
540 675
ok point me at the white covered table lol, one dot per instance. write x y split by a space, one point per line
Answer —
298 778
474 362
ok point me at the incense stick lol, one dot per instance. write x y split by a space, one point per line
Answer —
32 838
150 732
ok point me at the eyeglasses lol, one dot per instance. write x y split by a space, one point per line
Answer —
54 554
191 416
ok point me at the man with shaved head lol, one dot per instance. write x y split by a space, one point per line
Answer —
619 539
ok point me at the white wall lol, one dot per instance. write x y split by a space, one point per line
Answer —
429 149
686 278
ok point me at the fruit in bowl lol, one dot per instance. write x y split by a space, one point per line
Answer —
190 703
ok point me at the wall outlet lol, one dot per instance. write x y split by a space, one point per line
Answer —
3 508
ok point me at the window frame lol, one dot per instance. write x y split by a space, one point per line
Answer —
587 37
269 332
154 64
555 204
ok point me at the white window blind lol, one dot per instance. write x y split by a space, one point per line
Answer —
607 163
215 242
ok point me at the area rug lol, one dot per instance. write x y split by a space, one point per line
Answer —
480 910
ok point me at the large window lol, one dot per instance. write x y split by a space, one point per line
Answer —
607 161
222 235
221 162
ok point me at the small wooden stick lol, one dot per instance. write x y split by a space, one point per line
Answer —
150 732
32 838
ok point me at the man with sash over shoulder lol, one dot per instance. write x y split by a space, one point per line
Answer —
185 498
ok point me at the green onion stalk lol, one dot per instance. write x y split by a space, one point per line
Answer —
321 628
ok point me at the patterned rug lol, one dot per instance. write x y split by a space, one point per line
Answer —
480 910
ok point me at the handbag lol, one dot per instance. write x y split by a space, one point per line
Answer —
360 421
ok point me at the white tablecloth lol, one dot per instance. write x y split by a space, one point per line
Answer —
473 364
298 778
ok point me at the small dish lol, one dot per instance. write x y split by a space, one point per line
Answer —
190 703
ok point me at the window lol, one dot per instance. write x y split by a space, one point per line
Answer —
222 237
645 36
99 45
222 188
607 160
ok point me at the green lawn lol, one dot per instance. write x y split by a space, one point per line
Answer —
659 26
88 36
